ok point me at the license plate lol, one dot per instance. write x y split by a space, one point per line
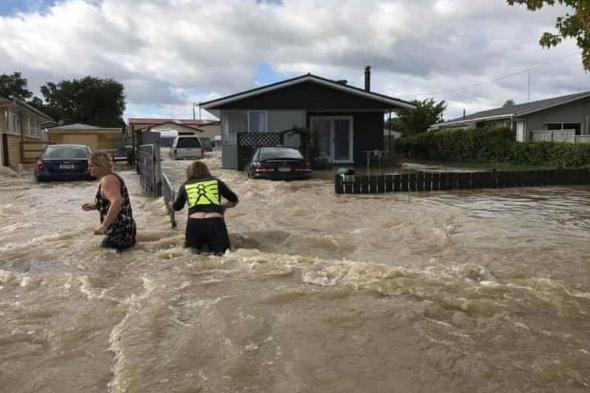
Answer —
284 169
66 166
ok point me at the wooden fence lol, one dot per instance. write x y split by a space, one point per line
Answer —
438 181
31 150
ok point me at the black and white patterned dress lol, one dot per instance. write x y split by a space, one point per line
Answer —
121 234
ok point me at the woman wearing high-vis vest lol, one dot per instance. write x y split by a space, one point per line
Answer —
205 225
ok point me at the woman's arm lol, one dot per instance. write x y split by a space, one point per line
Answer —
111 190
229 195
178 204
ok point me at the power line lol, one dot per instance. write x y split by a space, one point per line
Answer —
495 79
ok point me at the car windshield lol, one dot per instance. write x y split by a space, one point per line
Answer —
278 152
188 142
66 152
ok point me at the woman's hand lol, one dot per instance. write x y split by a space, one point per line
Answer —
101 230
88 207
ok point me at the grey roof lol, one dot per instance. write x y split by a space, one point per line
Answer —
517 110
396 102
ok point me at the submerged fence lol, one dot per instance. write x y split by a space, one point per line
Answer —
437 181
153 182
169 195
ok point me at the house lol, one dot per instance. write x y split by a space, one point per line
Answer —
558 119
97 138
199 127
20 132
347 120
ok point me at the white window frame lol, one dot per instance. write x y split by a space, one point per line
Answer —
13 122
350 160
265 117
563 125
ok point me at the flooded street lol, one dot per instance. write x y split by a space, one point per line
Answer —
465 291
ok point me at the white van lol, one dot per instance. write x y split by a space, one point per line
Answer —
186 146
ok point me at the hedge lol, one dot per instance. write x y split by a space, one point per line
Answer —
491 145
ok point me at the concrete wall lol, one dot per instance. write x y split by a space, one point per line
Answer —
575 112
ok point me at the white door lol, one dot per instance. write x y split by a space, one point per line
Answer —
335 137
520 131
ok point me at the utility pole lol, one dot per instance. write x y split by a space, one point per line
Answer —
194 103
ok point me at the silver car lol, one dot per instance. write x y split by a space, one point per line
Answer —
186 147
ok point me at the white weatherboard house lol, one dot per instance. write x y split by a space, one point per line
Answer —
558 119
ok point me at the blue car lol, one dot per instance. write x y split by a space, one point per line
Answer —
63 162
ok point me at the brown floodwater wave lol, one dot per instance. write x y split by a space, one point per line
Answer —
464 291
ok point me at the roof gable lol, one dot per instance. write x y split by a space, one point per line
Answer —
380 99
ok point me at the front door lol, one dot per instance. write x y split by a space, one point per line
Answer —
335 137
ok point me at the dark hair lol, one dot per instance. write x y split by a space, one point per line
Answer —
197 170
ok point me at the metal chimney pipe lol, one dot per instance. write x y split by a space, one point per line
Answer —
368 78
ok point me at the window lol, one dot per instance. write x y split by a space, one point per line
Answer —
553 126
234 122
13 123
573 126
564 126
256 121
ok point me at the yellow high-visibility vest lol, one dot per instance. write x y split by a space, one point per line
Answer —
202 193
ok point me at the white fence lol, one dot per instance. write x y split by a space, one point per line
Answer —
565 136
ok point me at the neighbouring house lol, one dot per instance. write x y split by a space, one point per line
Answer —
199 127
559 119
347 120
97 138
20 132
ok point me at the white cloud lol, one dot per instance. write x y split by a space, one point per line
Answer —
169 53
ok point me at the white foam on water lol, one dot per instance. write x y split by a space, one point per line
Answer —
121 381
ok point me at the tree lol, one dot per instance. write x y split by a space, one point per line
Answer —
415 121
14 85
509 102
94 101
576 25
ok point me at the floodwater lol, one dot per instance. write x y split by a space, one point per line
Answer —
466 291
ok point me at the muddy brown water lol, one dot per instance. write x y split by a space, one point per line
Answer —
473 291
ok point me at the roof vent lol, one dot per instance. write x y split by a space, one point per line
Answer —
342 82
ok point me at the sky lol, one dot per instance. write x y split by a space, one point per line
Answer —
169 54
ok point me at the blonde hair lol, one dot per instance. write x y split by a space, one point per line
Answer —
102 159
197 170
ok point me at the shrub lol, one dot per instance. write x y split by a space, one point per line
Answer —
491 145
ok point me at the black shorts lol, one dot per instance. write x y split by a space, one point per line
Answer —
210 232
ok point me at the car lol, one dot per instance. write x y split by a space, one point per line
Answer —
186 146
63 162
280 163
206 142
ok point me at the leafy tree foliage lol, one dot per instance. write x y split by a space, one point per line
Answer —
14 85
575 25
416 121
509 102
94 101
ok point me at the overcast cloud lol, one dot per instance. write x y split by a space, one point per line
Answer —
170 53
